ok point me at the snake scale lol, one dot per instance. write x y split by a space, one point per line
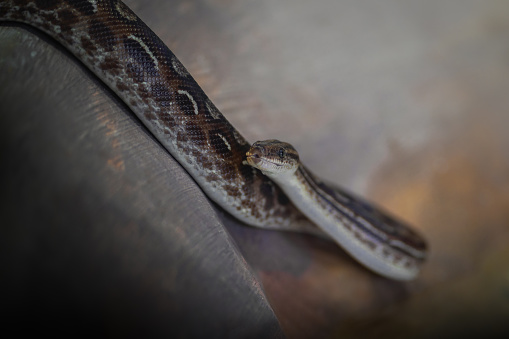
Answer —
110 40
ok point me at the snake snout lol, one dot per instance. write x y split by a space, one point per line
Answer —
254 156
255 152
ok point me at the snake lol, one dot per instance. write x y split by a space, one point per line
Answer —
109 39
360 229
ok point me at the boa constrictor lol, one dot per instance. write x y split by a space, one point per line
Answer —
110 40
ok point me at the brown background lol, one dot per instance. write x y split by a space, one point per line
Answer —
403 102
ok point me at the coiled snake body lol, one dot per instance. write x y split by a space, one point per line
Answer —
108 38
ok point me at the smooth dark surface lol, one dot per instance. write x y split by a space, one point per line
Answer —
103 233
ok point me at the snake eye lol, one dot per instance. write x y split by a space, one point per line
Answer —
282 153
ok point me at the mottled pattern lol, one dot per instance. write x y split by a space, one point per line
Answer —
370 235
124 53
374 220
376 230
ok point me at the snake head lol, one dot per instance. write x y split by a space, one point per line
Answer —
273 157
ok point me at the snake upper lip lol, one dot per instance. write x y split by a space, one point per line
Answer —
253 155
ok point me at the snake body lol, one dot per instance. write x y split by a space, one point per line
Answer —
371 236
110 40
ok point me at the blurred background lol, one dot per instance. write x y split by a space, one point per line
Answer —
403 102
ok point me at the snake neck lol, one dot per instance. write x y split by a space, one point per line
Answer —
368 243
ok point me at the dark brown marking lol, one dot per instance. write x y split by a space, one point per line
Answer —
46 4
161 94
84 7
195 132
110 65
246 173
88 45
66 19
169 121
211 177
347 224
3 11
217 143
367 242
282 198
145 62
102 34
150 115
185 104
122 86
267 191
23 2
182 137
370 244
135 72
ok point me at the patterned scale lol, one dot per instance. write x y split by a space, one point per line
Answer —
109 39
124 53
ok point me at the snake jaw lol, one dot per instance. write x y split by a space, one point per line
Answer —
257 158
261 162
253 157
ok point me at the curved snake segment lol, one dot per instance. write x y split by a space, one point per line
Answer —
372 237
396 250
109 39
125 54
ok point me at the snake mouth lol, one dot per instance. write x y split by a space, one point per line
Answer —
256 158
253 158
262 163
